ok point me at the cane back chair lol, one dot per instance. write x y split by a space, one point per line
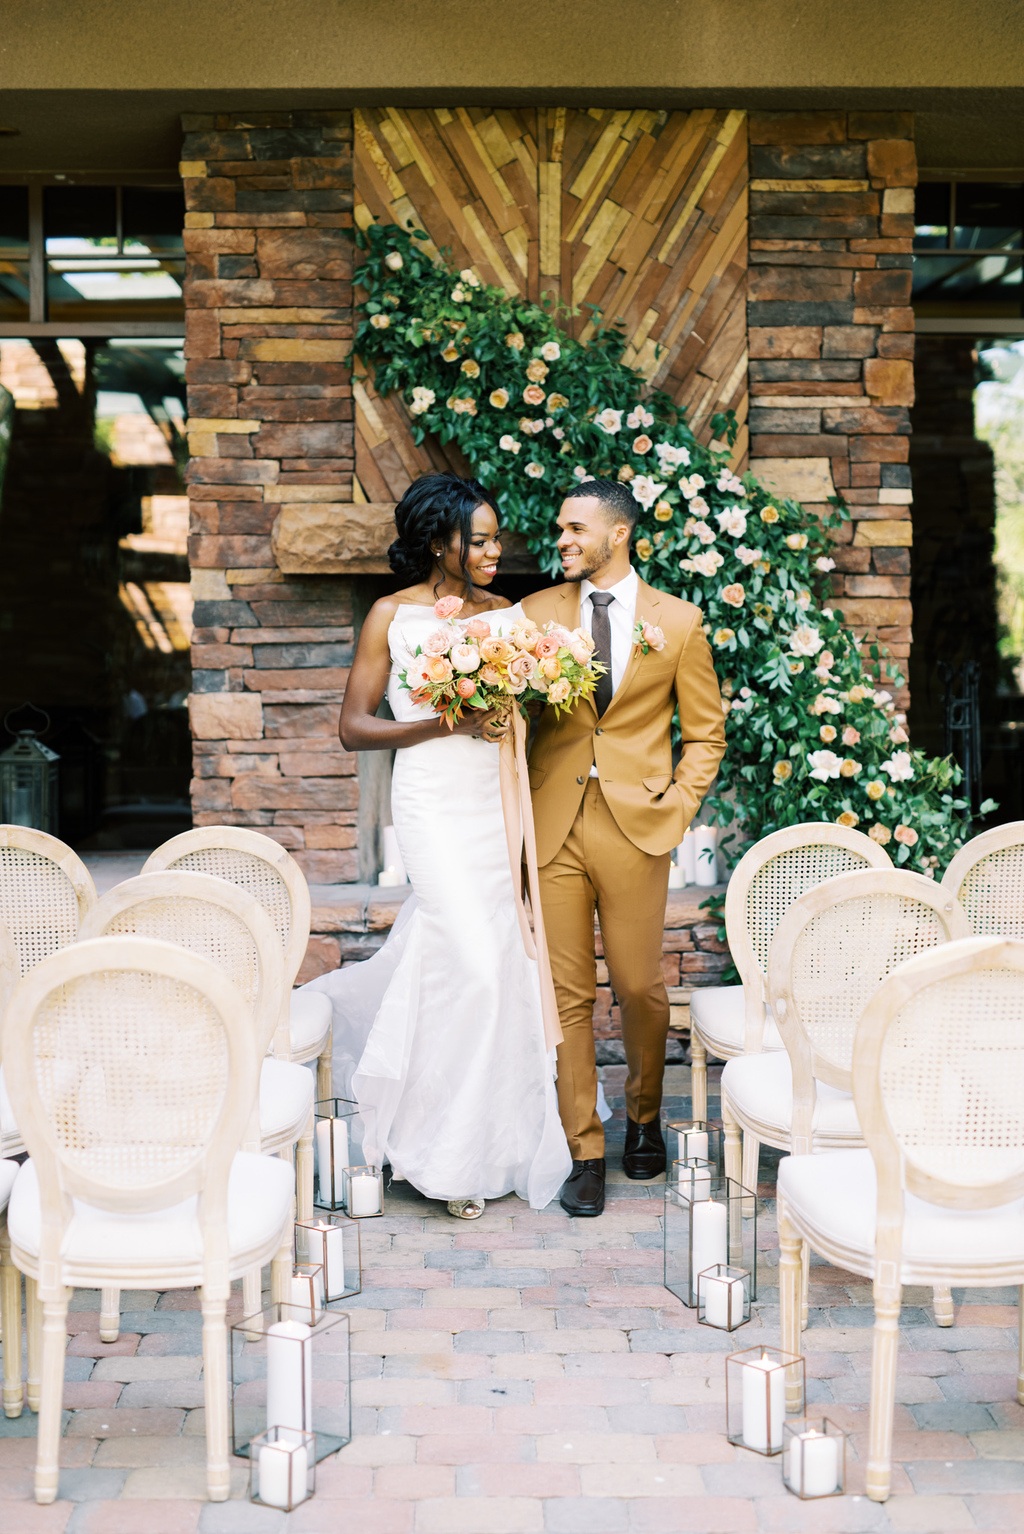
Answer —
987 877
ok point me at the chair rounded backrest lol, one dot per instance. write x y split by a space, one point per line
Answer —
938 1077
833 949
255 863
765 882
45 891
209 917
987 877
131 1064
10 969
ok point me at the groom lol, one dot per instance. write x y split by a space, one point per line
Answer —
608 809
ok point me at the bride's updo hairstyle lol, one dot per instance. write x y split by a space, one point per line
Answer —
434 510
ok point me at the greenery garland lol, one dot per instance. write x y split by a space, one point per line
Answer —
811 735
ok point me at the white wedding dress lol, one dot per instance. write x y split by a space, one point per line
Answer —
439 1035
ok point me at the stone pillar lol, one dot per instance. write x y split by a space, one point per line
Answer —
268 301
832 343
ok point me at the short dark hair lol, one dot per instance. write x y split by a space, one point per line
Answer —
616 499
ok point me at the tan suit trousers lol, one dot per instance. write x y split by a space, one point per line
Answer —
599 868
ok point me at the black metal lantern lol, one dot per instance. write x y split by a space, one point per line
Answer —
28 782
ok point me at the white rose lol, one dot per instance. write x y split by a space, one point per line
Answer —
671 457
707 563
899 767
824 765
609 421
422 399
702 532
509 444
380 321
469 277
824 565
748 556
551 351
393 260
805 640
733 521
535 470
646 490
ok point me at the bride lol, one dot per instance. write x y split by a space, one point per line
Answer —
443 1025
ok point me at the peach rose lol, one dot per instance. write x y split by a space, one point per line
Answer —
465 687
642 444
907 835
489 676
437 643
498 398
579 653
447 607
580 636
551 667
495 649
536 371
522 667
875 789
559 691
465 657
734 595
652 636
557 402
439 668
533 394
851 737
524 638
546 645
561 633
847 818
827 732
477 628
880 834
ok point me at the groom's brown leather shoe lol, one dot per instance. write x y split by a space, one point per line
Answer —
583 1192
644 1156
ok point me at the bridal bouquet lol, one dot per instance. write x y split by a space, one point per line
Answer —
462 664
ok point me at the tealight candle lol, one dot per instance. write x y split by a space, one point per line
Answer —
364 1189
813 1468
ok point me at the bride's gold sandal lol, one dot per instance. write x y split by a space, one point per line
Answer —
466 1208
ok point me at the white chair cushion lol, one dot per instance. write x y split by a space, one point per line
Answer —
834 1193
717 1010
310 1015
165 1245
286 1100
760 1089
8 1172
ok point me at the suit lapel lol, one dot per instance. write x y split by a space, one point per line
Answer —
647 604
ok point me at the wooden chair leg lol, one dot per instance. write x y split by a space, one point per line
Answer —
281 1269
10 1311
215 1397
733 1169
110 1314
54 1346
805 1285
252 1292
942 1305
325 1069
1020 1345
33 1342
751 1160
884 1353
698 1076
304 1172
790 1286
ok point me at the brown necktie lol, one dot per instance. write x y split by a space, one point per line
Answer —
601 632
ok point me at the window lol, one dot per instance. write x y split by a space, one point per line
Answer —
969 249
91 260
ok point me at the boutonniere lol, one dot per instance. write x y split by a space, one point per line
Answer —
648 637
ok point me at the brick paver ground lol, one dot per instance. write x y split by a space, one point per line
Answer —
528 1374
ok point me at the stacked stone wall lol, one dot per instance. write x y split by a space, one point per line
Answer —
268 303
831 335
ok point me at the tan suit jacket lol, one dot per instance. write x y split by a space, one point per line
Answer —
631 744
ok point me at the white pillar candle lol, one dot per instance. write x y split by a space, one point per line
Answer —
693 1145
391 857
676 877
723 1301
816 1455
364 1194
706 848
289 1375
764 1386
307 1293
709 1244
389 878
331 1134
283 1474
695 1179
327 1249
688 857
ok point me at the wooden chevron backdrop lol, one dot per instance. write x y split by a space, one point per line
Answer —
640 213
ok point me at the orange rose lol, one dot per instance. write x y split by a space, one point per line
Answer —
438 668
550 667
495 650
533 394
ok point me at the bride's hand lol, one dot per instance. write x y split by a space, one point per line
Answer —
489 725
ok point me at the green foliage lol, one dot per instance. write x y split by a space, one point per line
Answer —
811 737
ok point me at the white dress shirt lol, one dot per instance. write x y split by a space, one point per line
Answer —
621 620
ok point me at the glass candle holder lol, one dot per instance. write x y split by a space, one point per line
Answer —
723 1297
813 1457
707 1224
364 1192
762 1387
331 1242
287 1373
282 1468
337 1143
306 1293
695 1139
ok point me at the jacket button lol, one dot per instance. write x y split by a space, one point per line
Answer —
599 732
579 780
